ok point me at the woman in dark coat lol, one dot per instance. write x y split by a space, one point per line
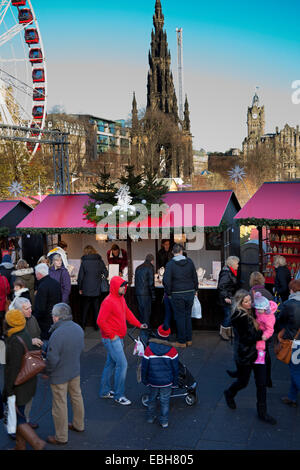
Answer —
24 393
92 269
282 278
289 320
246 334
58 272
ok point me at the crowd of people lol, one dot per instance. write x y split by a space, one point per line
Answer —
35 310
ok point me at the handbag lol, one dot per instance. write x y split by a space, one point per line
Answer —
283 348
32 364
104 284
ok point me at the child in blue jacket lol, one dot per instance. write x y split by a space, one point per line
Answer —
160 373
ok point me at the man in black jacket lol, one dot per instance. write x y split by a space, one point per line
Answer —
145 291
164 255
181 285
48 295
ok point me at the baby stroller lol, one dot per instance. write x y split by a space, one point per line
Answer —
187 385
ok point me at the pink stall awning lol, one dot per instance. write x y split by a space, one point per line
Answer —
66 212
273 201
6 207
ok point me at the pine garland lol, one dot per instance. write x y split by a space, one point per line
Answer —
268 222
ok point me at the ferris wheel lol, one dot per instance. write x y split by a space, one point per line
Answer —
23 77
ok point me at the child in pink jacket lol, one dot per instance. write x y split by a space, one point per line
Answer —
265 317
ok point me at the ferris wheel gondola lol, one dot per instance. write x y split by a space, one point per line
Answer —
23 74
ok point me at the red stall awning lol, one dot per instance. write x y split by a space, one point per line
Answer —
66 212
274 201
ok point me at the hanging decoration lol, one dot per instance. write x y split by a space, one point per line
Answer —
15 188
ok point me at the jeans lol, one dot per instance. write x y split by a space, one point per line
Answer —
116 362
164 394
168 312
182 305
227 316
144 307
295 381
244 373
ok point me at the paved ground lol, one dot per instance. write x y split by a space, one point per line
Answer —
208 425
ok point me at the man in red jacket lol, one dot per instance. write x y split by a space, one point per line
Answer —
112 322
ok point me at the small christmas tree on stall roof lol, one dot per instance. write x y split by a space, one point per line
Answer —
124 194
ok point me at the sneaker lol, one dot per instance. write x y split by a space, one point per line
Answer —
164 425
123 401
110 394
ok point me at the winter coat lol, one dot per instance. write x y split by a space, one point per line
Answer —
180 276
282 280
121 259
33 329
245 338
62 276
4 292
91 269
14 354
227 285
24 292
266 323
48 294
144 280
6 270
160 364
64 350
28 277
264 292
289 316
163 257
114 312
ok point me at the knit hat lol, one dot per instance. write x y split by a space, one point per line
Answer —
6 259
16 320
260 302
163 332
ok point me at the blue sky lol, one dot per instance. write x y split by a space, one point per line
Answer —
97 55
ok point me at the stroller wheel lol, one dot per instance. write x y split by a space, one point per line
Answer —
191 399
145 399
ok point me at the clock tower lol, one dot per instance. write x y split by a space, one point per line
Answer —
256 118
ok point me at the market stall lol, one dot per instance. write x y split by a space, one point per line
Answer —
62 217
275 210
12 212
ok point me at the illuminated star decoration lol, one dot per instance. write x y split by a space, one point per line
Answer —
237 174
15 188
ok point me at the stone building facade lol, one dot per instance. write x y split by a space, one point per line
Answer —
283 146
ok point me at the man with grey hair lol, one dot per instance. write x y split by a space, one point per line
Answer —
63 369
48 294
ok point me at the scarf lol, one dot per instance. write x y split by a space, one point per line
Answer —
16 320
234 271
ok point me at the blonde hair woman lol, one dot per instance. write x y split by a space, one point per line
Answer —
246 334
227 287
282 278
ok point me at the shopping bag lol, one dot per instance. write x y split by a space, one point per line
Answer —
10 415
2 352
196 310
138 348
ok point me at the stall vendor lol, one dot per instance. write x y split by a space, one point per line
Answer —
117 256
165 254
